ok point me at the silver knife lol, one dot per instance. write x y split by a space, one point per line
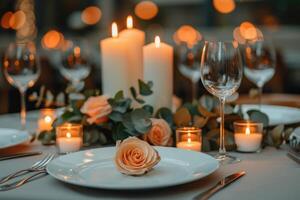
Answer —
220 185
19 155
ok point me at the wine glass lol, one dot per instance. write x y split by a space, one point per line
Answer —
21 69
221 74
260 60
75 66
189 63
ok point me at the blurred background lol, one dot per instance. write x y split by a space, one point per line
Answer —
185 24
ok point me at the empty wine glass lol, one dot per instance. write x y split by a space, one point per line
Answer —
221 74
21 69
75 66
188 66
260 60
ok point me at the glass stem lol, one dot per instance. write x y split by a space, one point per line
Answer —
222 150
260 91
23 109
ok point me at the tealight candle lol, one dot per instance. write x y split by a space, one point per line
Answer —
189 138
46 118
248 135
69 137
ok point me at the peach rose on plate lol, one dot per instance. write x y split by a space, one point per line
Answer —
135 156
97 109
160 133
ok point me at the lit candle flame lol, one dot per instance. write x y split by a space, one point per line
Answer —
189 140
48 119
114 30
77 51
129 22
157 41
247 131
68 135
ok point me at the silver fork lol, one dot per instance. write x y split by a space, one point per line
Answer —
38 166
21 182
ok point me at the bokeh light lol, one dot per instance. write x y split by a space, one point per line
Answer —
248 30
187 34
91 15
146 10
224 6
17 20
5 20
52 40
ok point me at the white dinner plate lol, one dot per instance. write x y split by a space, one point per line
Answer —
11 137
95 168
277 114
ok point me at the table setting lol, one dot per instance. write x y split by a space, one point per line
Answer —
133 138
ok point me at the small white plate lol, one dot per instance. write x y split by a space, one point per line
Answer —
277 114
11 137
95 168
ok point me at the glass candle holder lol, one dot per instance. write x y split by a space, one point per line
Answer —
46 118
248 135
69 137
189 138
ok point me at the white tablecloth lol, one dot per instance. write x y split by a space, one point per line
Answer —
269 175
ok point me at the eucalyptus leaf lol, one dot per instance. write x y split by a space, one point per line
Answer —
166 114
191 108
144 88
208 102
119 95
115 116
133 92
118 132
140 101
258 116
141 121
149 109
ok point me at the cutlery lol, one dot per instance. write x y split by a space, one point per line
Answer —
19 155
38 166
23 181
220 185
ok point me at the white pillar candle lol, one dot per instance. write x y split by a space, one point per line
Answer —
248 142
116 65
158 67
135 50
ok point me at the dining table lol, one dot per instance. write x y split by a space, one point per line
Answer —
270 174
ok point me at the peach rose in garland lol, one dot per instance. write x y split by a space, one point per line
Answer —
97 109
160 133
135 156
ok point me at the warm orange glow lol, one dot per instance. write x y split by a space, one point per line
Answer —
247 131
188 35
157 41
68 135
17 20
91 15
189 140
248 31
114 30
76 51
5 20
52 39
146 10
129 22
224 6
48 119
